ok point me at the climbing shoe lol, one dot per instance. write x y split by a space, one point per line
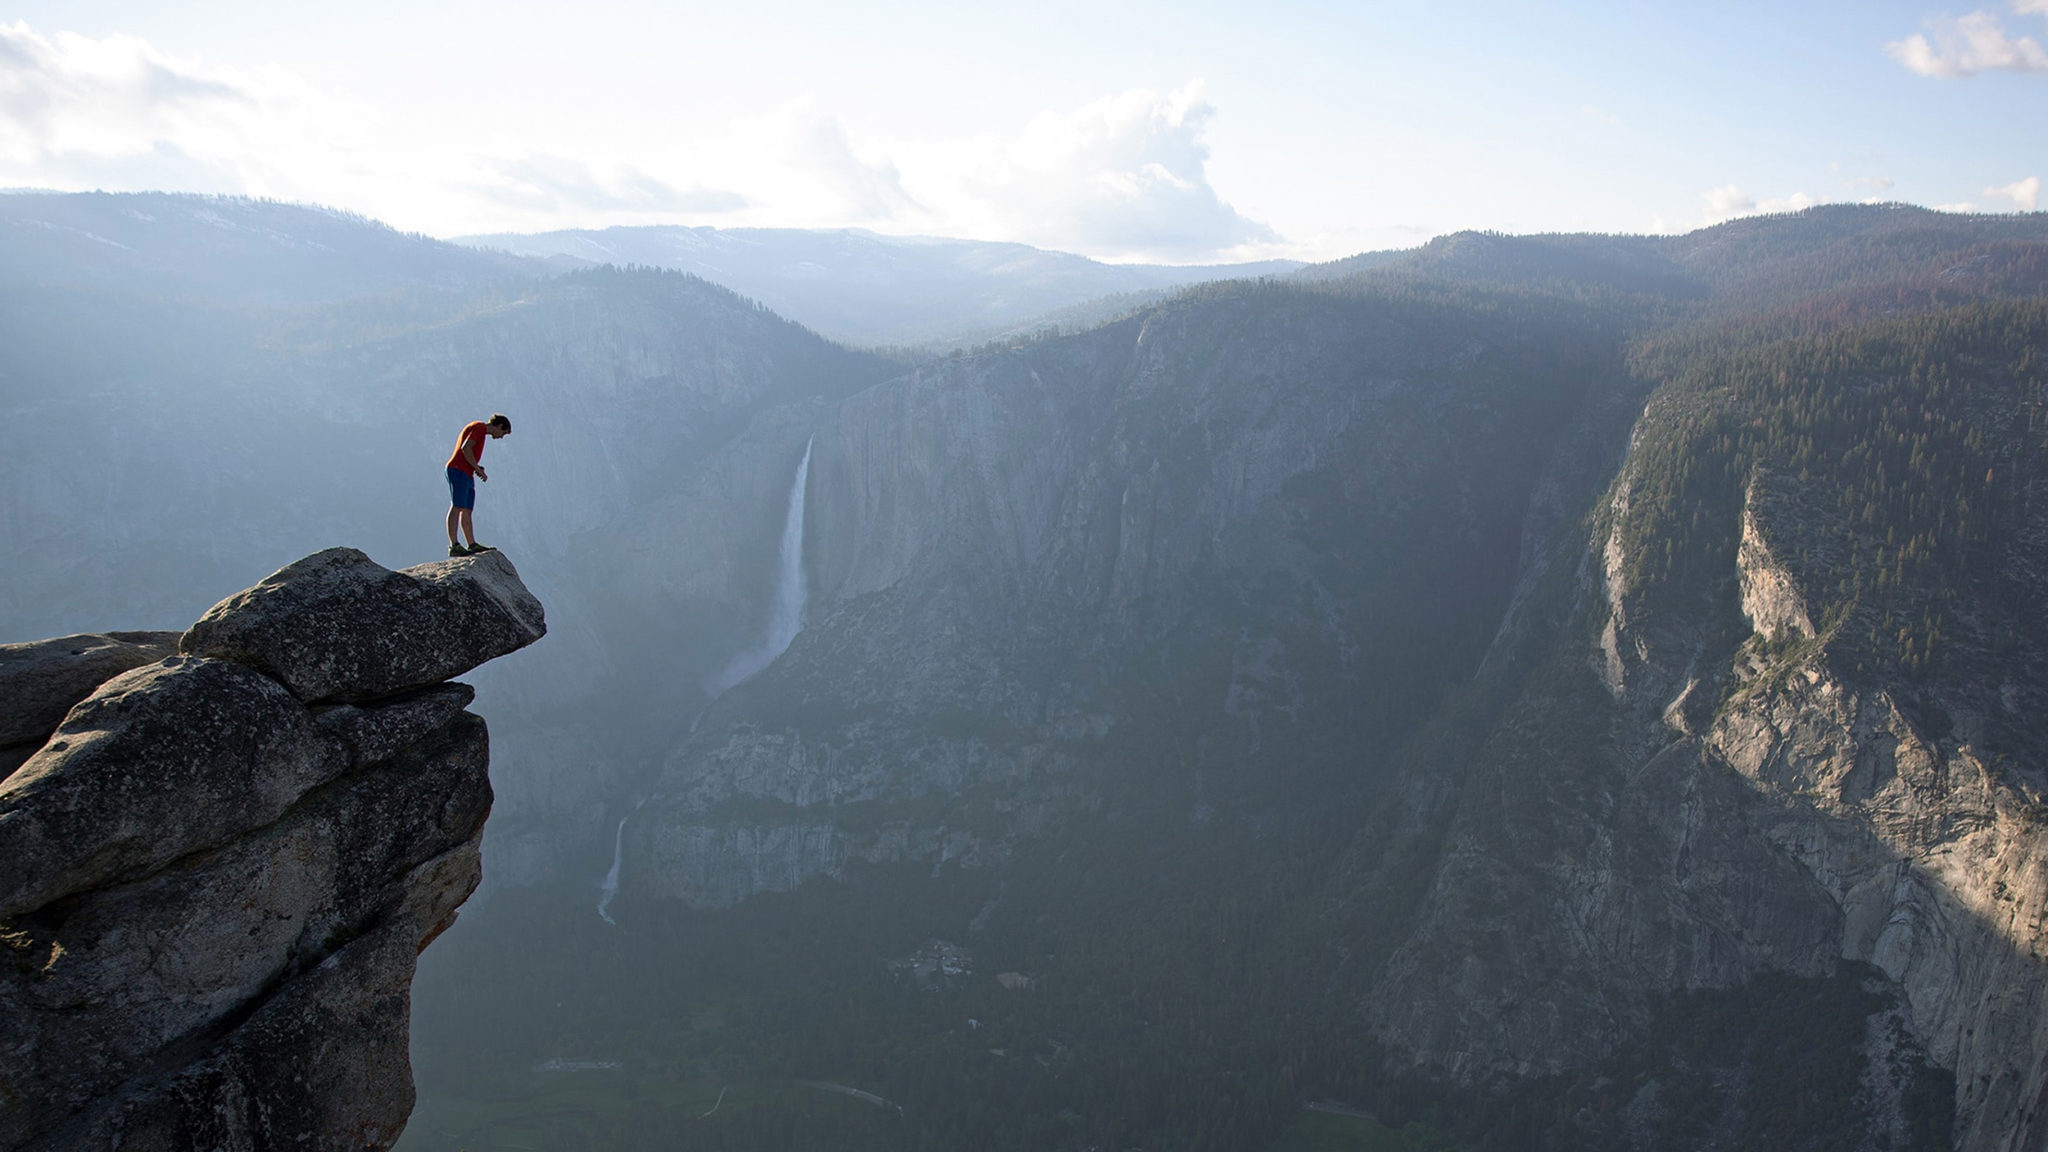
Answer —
480 549
457 550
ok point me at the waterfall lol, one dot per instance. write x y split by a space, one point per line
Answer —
785 620
611 878
786 611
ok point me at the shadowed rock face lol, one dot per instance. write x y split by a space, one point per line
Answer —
161 761
215 894
40 681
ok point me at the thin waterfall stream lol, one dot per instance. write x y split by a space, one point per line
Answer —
786 610
785 620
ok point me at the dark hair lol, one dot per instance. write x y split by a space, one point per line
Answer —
501 420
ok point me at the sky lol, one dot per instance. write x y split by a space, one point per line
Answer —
1170 132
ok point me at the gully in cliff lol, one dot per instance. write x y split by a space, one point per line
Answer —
465 469
225 848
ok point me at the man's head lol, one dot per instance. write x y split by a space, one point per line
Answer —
499 425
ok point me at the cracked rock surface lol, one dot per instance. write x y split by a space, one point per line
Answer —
214 892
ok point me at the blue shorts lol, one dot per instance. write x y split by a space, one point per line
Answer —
461 488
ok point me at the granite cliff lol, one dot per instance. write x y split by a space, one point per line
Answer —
1021 553
1780 719
1657 686
223 851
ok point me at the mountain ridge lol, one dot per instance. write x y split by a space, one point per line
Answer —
871 288
1392 688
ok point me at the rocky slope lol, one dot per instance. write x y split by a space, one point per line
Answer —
222 861
1800 738
1022 552
1306 686
1653 736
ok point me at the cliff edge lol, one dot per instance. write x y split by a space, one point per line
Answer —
221 852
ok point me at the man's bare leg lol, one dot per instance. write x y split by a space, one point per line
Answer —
454 519
468 529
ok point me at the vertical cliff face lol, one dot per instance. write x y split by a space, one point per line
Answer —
1017 559
1788 723
222 862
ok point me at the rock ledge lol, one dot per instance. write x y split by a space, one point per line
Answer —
221 864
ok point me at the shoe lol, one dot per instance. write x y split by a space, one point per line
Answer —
480 549
457 550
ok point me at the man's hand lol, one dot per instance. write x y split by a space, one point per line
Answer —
480 473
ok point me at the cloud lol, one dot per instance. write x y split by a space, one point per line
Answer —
1967 45
114 107
1729 201
872 189
1874 184
2025 194
1796 202
115 113
1126 176
560 184
1123 177
1591 112
801 167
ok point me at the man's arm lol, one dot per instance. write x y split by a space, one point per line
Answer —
469 454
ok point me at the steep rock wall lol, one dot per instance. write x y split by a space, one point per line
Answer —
1686 798
1233 511
218 880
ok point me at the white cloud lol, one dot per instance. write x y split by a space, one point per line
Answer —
1726 202
1796 202
115 113
797 166
1967 45
113 107
1125 176
1876 184
1729 201
1959 206
2025 194
560 184
871 188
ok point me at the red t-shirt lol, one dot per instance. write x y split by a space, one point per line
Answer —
473 433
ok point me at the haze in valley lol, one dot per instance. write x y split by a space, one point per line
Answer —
1136 576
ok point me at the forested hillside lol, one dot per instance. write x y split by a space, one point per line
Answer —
1365 679
1568 692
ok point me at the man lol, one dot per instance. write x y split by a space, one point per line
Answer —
465 468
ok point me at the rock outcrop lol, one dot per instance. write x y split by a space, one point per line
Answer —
216 884
1689 794
42 680
336 626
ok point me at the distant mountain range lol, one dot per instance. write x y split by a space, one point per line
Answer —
873 289
228 250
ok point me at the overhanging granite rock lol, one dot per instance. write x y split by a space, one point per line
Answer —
213 888
338 626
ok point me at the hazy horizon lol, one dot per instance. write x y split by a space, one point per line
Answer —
1141 133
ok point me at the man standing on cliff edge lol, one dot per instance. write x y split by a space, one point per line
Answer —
465 468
